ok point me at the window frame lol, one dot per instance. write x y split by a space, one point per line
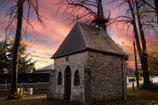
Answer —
60 78
76 78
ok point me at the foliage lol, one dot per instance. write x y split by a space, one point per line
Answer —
15 96
4 61
25 64
153 63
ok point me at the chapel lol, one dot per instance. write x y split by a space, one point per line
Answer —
88 65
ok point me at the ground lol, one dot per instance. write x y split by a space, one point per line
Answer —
134 97
3 94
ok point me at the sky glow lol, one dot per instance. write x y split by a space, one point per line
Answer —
45 41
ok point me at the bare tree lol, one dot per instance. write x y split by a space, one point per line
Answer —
78 9
143 55
136 65
153 4
135 16
156 8
83 10
16 16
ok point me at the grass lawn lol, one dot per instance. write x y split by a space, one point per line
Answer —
137 96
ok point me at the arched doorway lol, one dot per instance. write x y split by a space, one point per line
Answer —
67 83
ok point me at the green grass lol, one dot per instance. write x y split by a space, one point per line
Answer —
135 97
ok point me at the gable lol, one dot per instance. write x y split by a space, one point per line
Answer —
72 43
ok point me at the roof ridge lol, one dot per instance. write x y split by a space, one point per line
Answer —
82 34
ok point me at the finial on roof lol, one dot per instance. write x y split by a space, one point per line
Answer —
77 18
100 20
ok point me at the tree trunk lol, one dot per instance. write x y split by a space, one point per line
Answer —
15 53
142 53
144 58
136 66
135 27
156 8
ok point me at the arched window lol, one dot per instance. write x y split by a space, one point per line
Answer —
76 78
60 78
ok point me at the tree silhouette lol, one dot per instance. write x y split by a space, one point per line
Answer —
16 16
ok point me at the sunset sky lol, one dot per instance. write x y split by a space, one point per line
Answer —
45 41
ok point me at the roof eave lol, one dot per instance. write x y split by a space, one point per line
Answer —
94 50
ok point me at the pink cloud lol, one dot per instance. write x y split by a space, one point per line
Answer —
46 41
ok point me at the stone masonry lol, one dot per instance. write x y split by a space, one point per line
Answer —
77 92
99 64
106 76
101 77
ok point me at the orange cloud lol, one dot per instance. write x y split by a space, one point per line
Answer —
46 41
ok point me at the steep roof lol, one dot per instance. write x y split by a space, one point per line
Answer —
84 37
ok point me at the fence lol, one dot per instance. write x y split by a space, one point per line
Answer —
26 78
35 86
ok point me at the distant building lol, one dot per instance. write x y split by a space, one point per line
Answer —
47 69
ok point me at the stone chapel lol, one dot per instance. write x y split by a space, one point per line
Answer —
88 65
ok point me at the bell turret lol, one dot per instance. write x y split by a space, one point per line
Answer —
100 20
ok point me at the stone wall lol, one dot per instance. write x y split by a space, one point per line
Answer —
51 86
106 76
101 77
76 62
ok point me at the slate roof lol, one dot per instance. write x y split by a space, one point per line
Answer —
84 37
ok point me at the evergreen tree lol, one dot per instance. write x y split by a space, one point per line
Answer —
25 64
4 62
